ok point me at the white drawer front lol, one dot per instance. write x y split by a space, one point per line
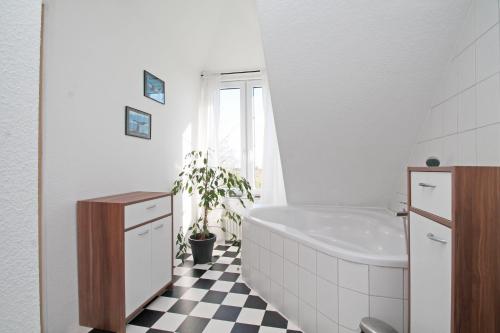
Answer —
430 280
431 192
146 210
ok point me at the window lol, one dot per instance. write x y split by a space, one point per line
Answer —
241 129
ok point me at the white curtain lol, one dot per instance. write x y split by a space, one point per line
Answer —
273 186
208 116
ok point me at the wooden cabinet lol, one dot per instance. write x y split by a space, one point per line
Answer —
124 256
454 252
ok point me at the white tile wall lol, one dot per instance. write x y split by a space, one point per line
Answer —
291 277
353 276
462 125
389 310
352 307
327 267
326 325
383 280
307 258
307 287
317 291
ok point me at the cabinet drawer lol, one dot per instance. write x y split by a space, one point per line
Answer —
430 275
431 192
146 210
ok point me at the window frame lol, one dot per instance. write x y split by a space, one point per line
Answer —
247 123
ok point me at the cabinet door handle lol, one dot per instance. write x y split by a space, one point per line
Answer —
426 185
159 226
151 207
434 238
143 233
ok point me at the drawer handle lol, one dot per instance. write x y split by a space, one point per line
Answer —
434 238
426 185
159 227
151 207
143 233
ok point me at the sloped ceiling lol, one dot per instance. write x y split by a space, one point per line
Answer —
350 82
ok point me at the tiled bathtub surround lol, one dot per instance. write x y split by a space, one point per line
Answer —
463 125
319 292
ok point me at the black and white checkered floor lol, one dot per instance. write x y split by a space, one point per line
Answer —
210 298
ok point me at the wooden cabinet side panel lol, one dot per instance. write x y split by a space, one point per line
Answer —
476 250
101 266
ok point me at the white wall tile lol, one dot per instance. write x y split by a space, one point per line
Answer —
467 148
291 249
291 277
343 329
327 267
307 317
263 237
468 31
488 54
291 306
450 116
254 253
432 148
276 245
265 261
488 101
450 81
307 258
327 299
277 268
386 281
353 276
450 150
389 310
276 295
486 15
326 325
488 145
307 287
467 68
434 125
353 306
467 110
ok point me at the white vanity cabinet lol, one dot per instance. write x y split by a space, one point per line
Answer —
454 236
125 256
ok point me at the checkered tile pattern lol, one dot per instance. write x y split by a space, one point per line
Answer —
210 298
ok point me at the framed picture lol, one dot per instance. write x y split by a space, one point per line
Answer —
154 88
137 123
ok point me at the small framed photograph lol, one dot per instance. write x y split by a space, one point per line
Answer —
154 88
137 123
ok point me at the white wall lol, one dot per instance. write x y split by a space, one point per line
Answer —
94 57
350 82
19 68
236 44
463 124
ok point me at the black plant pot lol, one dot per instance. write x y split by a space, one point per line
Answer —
202 249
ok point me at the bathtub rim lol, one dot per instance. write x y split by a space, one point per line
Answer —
320 246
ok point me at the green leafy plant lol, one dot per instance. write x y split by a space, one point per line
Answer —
211 185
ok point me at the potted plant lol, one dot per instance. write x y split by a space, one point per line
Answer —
211 186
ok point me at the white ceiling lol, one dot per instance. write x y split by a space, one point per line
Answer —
351 81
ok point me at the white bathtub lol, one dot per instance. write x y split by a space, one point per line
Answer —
326 268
